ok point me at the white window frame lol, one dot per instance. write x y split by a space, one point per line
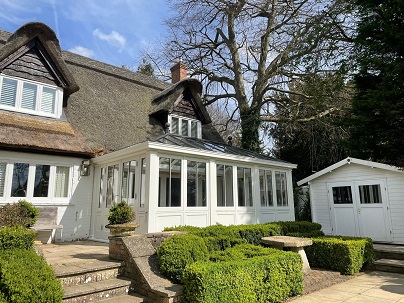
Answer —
40 86
50 199
182 120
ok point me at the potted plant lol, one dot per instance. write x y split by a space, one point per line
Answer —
121 220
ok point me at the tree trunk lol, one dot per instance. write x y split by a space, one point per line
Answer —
250 123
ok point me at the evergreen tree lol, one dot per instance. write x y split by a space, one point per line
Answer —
377 123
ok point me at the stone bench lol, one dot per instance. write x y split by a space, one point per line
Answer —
294 243
46 222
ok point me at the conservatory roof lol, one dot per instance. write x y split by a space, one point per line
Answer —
211 146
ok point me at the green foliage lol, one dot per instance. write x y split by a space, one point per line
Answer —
17 236
241 252
177 252
379 102
22 213
344 254
146 68
25 277
121 213
300 227
266 278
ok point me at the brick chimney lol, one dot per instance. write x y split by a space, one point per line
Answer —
178 72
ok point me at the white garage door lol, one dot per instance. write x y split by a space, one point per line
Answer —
360 209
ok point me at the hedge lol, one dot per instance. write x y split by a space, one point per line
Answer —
345 254
269 278
251 233
178 251
241 252
12 237
25 277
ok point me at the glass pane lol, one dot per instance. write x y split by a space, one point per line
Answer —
3 166
112 185
101 196
262 187
229 185
143 183
191 183
28 99
48 100
62 181
164 177
281 192
220 185
184 128
175 189
240 186
125 173
248 186
174 125
41 183
342 195
20 180
8 92
370 194
268 175
202 184
194 129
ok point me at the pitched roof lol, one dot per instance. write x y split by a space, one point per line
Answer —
348 161
113 107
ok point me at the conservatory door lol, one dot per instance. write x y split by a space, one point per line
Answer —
360 209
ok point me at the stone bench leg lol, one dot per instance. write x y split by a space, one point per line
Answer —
302 253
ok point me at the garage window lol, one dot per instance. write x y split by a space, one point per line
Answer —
370 194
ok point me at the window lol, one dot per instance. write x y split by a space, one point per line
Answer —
169 182
281 190
20 180
342 195
62 181
128 181
143 183
224 185
265 178
41 183
196 184
3 166
370 194
244 186
30 97
112 185
185 127
101 196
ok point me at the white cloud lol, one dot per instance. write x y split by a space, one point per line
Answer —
113 38
80 50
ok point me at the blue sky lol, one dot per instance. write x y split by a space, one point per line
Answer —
111 31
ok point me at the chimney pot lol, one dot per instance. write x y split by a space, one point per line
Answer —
178 72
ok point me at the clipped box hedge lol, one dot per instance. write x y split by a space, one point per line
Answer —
345 254
25 277
12 237
268 276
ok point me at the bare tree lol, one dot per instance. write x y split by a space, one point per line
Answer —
248 52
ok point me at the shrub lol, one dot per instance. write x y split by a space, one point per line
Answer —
12 237
121 213
344 254
25 277
269 278
178 251
298 227
241 252
22 213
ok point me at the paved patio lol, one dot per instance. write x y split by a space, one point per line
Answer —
369 287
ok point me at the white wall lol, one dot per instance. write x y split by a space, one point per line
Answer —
320 206
74 212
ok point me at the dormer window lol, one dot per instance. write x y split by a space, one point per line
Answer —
30 97
185 127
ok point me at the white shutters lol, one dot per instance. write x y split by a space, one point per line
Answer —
8 92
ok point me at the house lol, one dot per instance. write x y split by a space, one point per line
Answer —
79 135
359 198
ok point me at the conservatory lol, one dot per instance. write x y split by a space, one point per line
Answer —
175 180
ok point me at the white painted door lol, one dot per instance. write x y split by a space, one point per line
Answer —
360 209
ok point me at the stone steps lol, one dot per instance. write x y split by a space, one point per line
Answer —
389 258
95 281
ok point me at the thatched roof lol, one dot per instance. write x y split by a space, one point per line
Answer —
111 110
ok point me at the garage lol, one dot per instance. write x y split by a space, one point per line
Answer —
359 198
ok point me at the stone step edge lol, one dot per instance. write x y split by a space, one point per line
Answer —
99 267
387 262
130 297
91 288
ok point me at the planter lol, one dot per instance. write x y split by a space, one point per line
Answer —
122 230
